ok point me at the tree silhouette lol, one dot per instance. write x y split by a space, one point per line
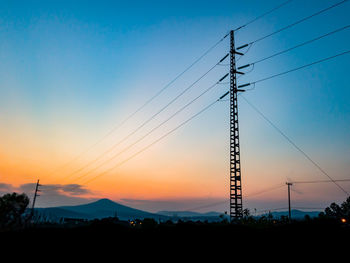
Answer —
12 210
246 212
345 207
339 211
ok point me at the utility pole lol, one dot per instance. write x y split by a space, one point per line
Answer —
35 195
236 206
289 209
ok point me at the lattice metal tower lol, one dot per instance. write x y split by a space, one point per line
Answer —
236 206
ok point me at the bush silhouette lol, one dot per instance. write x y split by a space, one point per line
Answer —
12 210
149 223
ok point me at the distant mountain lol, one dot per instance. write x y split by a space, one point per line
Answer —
100 209
106 208
58 213
296 214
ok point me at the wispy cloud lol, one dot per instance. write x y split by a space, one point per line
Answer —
53 194
5 187
65 189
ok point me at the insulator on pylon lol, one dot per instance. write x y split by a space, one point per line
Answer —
223 77
223 96
224 58
245 66
239 72
242 46
244 85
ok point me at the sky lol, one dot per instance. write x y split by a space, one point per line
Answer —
72 71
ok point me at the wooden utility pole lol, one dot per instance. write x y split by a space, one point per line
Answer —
35 195
289 209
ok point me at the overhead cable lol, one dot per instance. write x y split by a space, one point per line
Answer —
154 142
294 144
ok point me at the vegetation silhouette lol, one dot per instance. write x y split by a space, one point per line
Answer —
332 224
13 209
338 212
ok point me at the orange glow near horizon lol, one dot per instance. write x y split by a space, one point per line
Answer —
153 175
180 167
76 84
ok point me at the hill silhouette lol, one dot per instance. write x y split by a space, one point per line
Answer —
96 210
104 208
296 214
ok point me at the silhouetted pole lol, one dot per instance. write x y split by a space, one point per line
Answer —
289 209
35 195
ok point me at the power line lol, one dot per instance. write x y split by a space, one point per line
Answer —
264 211
248 196
262 15
118 126
294 145
320 181
295 69
266 190
298 22
155 128
294 47
301 67
147 121
207 206
159 139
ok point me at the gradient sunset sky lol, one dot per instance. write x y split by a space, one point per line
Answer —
71 71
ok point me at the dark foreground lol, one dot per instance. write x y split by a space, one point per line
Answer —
113 235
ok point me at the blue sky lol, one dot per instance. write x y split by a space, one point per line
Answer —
72 70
